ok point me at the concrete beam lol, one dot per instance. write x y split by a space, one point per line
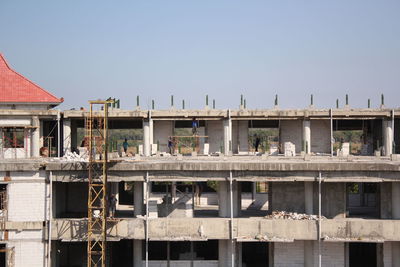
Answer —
245 229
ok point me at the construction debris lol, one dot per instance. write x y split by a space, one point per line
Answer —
292 216
73 156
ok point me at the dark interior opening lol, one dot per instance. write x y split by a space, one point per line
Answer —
121 253
255 254
182 250
2 255
71 254
125 190
362 255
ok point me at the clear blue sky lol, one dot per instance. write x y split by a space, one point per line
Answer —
92 49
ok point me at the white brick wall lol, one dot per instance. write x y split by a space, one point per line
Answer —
320 136
182 263
333 254
26 201
25 234
30 254
292 254
289 254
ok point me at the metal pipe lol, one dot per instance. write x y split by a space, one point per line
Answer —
331 119
58 134
231 207
393 140
50 218
319 220
147 219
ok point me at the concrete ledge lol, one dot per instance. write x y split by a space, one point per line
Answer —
244 229
233 164
19 226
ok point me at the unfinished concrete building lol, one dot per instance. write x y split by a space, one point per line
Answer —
246 187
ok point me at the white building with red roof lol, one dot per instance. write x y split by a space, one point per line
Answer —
17 92
27 122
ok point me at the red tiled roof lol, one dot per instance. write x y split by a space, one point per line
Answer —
15 88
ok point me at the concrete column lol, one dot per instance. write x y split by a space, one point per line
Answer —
35 137
115 191
138 198
308 253
146 138
395 200
387 137
224 199
151 131
309 193
225 250
137 253
395 254
67 136
227 136
307 136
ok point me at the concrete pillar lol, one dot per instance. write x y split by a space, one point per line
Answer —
309 193
307 136
395 254
146 138
308 253
387 137
225 250
138 198
35 137
67 136
224 199
115 191
137 253
151 131
227 136
395 200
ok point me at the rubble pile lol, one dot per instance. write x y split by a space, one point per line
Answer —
292 216
73 156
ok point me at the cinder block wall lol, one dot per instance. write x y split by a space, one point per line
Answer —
161 131
320 136
333 254
288 197
292 131
240 133
289 254
215 132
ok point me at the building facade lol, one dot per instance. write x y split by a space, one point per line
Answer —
309 187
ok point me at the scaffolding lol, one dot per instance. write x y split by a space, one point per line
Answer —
96 127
